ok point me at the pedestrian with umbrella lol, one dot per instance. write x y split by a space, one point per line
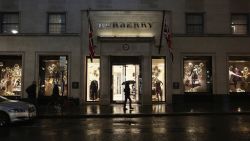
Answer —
127 95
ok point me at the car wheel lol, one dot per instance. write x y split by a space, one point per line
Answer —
4 119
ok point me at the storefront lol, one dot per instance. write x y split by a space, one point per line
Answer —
239 74
197 75
127 45
11 75
53 71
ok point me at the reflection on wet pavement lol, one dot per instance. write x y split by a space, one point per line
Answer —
117 109
169 128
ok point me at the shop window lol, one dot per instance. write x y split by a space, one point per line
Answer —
239 74
239 24
197 73
93 79
53 70
158 79
9 23
10 75
57 23
194 23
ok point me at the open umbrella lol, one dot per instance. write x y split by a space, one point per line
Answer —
129 82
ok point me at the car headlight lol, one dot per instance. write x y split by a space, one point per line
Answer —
16 110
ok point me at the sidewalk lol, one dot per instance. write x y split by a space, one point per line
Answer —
116 110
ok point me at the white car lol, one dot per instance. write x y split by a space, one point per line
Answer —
14 111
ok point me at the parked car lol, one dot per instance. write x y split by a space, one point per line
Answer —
14 111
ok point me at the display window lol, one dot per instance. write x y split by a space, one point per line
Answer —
93 79
53 72
10 75
239 74
158 79
197 74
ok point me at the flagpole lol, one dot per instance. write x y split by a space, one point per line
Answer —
162 26
91 42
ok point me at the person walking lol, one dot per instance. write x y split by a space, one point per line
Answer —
31 91
55 93
127 97
56 101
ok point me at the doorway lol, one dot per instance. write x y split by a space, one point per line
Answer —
125 69
120 74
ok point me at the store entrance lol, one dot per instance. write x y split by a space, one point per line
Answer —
125 72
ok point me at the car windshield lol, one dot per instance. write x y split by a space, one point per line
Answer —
2 99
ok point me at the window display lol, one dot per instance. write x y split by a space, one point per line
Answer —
93 79
197 74
11 75
158 79
239 74
52 72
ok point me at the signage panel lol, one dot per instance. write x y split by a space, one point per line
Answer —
127 23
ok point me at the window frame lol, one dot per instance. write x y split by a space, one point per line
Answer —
52 56
61 24
165 78
232 60
209 66
2 24
195 25
247 23
87 77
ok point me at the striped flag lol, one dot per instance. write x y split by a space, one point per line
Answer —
91 41
168 37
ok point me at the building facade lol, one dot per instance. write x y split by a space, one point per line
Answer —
49 42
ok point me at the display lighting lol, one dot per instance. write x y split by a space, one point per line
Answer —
14 31
107 34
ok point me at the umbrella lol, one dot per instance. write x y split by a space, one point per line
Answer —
129 82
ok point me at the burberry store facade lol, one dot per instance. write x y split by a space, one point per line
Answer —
126 49
210 59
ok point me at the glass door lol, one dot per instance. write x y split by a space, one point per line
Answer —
122 73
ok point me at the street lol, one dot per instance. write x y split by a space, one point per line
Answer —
168 128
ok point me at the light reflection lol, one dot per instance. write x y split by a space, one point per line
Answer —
159 130
238 109
93 109
159 108
195 130
14 31
94 132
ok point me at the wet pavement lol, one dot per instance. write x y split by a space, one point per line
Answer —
116 110
168 128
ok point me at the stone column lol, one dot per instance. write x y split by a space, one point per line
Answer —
105 81
146 81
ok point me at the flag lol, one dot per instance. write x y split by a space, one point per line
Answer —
91 41
168 37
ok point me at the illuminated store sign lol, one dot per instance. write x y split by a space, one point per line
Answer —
136 25
126 23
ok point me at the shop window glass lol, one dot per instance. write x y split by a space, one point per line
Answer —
239 74
197 74
239 23
53 70
93 79
10 75
158 79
